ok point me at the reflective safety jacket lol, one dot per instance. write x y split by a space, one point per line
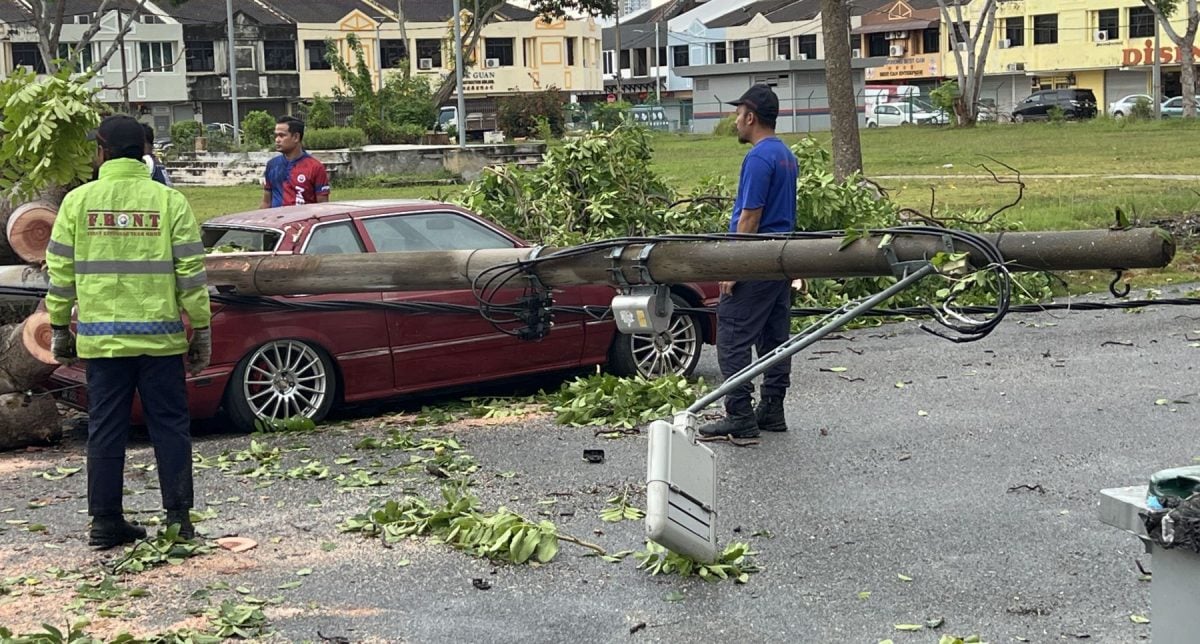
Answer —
128 250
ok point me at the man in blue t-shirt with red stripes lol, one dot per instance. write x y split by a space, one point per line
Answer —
756 315
295 177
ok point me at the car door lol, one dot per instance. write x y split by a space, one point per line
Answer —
888 115
356 339
445 349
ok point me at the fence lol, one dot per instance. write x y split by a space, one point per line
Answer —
809 112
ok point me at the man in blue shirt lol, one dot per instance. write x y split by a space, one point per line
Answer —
756 315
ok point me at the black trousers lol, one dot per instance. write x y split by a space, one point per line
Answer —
159 381
755 316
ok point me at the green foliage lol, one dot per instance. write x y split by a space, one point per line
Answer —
334 138
594 187
293 424
944 96
1056 114
258 128
43 134
736 562
609 116
619 509
824 204
521 115
500 536
166 548
388 115
184 134
408 100
231 619
605 399
320 114
1141 110
727 126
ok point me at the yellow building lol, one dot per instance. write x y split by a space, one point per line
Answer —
517 51
1103 45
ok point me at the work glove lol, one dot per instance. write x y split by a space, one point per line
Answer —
62 345
199 350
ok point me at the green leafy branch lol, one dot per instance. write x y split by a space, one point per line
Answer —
619 509
165 548
736 562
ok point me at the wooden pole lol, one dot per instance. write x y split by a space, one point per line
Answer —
676 262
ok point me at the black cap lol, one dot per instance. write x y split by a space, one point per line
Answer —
121 135
762 101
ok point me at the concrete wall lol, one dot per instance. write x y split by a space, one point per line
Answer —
223 169
800 86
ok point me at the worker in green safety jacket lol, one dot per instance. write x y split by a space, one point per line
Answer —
127 251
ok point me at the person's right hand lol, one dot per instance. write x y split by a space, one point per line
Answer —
199 351
62 346
726 287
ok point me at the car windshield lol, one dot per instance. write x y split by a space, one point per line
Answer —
239 240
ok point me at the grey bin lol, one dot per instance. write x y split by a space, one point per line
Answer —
1175 585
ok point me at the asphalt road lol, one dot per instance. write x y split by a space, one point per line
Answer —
874 481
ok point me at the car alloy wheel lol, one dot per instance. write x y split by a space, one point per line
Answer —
283 379
670 353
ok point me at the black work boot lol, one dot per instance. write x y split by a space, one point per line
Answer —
184 519
770 414
113 530
738 423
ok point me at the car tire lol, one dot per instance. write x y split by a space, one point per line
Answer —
1019 118
872 125
278 380
675 352
1118 115
905 123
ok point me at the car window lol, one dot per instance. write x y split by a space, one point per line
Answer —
334 239
431 231
1175 102
239 240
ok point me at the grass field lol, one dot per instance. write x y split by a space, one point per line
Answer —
1100 147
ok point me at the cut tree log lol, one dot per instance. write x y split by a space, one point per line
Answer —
25 358
27 230
28 421
26 226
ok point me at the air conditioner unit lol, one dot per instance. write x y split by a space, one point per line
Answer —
1015 67
424 63
896 51
896 35
1101 36
492 62
743 60
1005 44
803 57
856 53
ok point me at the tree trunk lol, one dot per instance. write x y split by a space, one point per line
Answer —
25 359
1187 80
28 421
471 41
26 231
839 84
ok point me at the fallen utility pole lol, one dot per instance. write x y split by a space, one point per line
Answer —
669 262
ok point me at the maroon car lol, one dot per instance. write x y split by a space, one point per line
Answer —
279 364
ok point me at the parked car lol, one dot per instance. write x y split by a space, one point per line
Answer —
1122 107
905 113
1173 107
279 364
653 117
226 129
1074 103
